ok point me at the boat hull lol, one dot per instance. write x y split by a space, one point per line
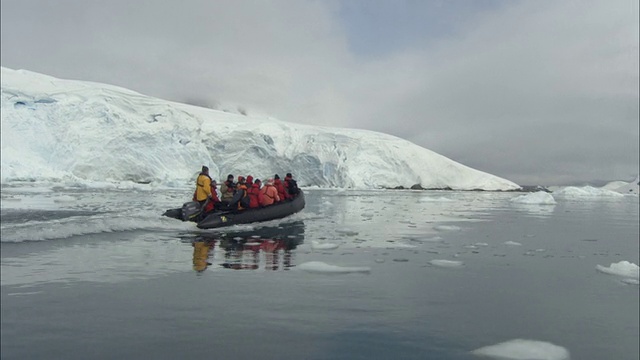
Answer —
272 212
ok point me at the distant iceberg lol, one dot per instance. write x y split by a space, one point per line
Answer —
585 192
629 188
536 198
64 130
524 349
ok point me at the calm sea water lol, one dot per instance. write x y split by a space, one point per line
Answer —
98 274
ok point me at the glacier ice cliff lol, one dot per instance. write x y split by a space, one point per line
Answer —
55 129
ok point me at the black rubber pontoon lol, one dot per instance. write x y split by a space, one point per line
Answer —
272 212
227 218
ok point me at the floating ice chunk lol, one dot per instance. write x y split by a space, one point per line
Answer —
446 263
403 246
436 199
512 243
521 349
481 244
536 198
586 192
316 245
446 228
321 267
347 232
623 268
25 293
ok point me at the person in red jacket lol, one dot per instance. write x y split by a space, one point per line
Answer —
249 181
254 195
214 201
282 193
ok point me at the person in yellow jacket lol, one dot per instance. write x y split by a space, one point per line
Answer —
201 250
203 186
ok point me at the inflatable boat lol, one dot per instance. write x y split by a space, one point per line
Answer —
191 212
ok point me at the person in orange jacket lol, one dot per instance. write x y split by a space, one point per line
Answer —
269 194
254 195
282 193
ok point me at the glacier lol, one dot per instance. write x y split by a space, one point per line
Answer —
70 130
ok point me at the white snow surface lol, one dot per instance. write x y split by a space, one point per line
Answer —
522 349
622 268
613 185
536 198
629 188
67 130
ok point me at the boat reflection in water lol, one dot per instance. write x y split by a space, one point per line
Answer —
267 248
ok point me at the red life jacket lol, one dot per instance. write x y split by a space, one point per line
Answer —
282 193
212 203
254 196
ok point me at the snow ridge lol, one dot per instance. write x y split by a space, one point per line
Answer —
61 130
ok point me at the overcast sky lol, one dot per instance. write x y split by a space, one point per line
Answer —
538 92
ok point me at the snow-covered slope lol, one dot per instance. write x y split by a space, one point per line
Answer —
629 188
57 129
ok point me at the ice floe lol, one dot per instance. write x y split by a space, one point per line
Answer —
512 243
316 245
447 228
321 267
536 198
623 268
522 349
585 192
446 263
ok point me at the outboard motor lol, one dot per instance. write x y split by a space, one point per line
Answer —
190 211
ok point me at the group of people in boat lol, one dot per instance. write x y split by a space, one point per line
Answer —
246 193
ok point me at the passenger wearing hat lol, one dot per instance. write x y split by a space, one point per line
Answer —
203 186
215 202
269 194
282 193
291 186
244 199
227 189
254 195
